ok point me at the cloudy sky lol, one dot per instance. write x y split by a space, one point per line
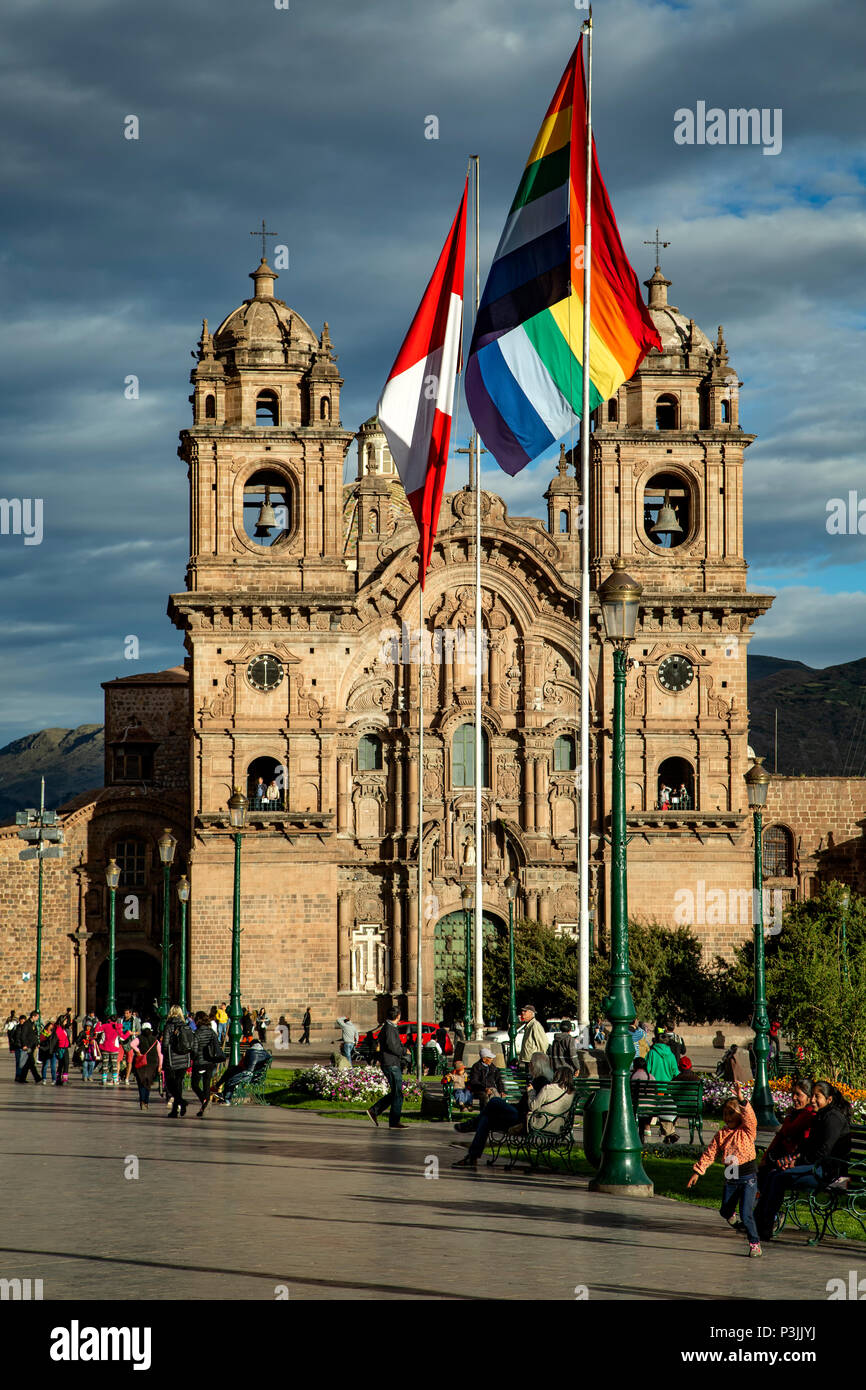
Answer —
314 117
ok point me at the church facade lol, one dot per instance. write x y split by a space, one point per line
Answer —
300 687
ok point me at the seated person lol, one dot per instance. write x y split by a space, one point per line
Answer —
254 1060
794 1130
485 1080
821 1157
553 1098
460 1081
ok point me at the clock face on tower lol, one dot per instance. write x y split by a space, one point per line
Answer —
676 673
265 672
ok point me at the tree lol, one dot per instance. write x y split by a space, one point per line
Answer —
821 1004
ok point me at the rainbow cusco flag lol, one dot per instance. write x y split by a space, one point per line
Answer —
524 374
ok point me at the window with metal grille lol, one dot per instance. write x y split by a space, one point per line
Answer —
131 855
778 852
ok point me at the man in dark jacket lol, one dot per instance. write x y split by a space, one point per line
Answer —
391 1062
485 1080
565 1048
27 1039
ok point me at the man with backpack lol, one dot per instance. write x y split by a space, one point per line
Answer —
177 1045
206 1056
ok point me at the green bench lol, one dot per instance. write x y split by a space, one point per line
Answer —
784 1065
678 1100
841 1194
548 1134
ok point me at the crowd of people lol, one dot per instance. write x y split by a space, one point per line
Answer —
123 1048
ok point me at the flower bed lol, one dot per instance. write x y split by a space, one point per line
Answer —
358 1085
717 1092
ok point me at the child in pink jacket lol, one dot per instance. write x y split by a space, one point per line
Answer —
735 1142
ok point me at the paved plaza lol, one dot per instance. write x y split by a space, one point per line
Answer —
258 1203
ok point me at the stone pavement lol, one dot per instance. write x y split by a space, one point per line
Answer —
253 1198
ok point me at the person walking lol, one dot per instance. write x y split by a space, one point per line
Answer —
206 1056
28 1042
735 1142
177 1043
108 1035
305 1024
391 1061
262 1025
11 1027
62 1054
146 1063
47 1052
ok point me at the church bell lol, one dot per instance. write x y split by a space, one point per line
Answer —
666 521
267 520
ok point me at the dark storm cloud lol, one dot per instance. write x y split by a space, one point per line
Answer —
314 118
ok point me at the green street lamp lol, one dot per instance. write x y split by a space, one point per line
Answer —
112 878
467 897
167 845
621 1172
238 817
511 886
846 903
757 782
183 896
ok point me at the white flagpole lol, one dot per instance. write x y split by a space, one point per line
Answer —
418 968
583 763
479 644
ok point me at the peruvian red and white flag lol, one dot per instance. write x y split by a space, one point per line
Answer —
416 404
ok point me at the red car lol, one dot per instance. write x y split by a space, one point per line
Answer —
406 1029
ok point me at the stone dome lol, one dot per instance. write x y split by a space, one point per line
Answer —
678 334
264 322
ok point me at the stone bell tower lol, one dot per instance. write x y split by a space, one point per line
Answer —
667 494
267 591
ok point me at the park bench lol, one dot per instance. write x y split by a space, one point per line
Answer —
549 1134
679 1100
840 1194
785 1065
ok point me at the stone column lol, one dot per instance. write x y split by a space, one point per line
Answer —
545 909
542 806
81 939
413 940
532 905
344 763
495 664
397 804
345 919
396 938
412 808
528 793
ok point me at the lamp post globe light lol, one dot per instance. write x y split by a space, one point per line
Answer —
621 1171
238 817
167 845
511 886
467 898
112 878
757 782
183 898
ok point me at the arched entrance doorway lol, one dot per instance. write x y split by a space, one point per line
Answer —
136 983
449 960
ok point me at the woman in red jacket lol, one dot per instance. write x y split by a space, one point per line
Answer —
795 1128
